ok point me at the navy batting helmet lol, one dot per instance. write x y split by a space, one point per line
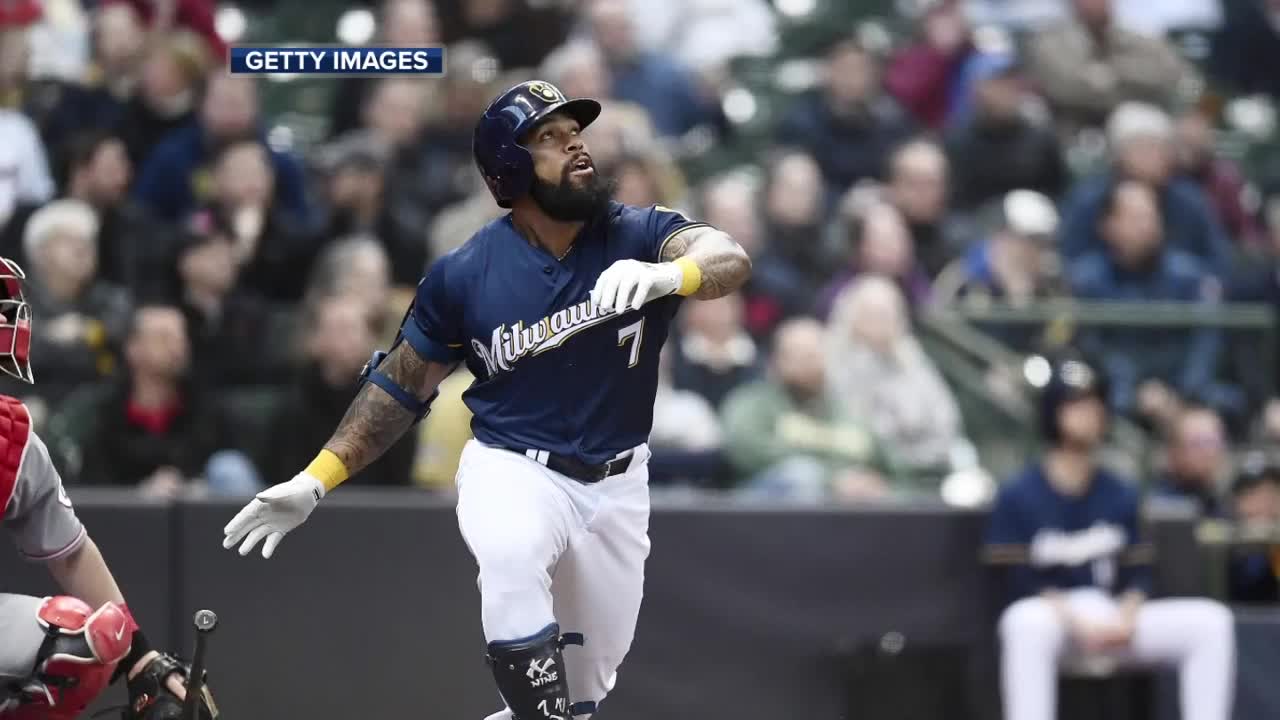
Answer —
507 167
1069 379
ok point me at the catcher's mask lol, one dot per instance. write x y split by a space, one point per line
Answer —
15 323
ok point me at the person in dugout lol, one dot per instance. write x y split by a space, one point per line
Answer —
1067 530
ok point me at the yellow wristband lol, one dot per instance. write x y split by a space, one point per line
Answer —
690 277
328 469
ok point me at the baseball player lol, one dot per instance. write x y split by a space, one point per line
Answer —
58 653
559 309
1079 571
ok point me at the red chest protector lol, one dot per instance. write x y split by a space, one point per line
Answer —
15 432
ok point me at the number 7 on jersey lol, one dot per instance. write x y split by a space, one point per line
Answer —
634 330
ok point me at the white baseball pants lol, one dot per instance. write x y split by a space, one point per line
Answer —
553 549
1197 636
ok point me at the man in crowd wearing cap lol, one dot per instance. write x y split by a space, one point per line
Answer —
1016 264
1078 571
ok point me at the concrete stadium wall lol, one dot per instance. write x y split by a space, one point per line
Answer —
371 610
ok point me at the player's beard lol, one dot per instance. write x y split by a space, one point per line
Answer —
562 201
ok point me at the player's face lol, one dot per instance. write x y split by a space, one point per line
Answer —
1083 422
566 184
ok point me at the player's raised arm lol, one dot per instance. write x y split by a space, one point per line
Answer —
718 263
396 390
697 261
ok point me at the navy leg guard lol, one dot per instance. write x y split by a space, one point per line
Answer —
531 677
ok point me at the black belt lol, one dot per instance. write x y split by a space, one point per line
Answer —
578 470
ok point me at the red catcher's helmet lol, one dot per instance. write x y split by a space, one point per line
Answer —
15 323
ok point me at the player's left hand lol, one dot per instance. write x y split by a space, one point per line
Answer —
629 284
158 689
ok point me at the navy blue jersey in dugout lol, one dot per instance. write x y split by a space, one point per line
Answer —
1058 542
551 372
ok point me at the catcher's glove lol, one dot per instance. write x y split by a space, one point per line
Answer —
151 699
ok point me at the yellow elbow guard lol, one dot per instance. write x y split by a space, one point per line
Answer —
328 469
691 276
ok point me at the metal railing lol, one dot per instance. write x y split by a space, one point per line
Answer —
965 351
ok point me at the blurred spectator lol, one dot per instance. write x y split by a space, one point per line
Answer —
997 147
455 224
401 23
175 177
81 319
1017 263
15 54
646 178
193 15
1246 48
918 185
1221 180
1257 280
652 80
578 69
339 338
795 213
776 290
273 252
686 436
433 166
715 353
1141 140
97 100
787 436
1077 572
521 33
58 39
133 248
357 170
879 372
1151 369
359 267
881 246
24 166
173 75
1087 66
227 324
1198 459
850 125
1254 573
443 434
155 428
705 35
922 75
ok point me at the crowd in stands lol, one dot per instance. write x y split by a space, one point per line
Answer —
204 293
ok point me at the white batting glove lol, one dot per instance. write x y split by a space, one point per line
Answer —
273 513
629 284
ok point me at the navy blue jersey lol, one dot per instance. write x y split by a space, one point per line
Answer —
1057 542
551 373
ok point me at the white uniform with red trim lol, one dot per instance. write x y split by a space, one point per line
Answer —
39 517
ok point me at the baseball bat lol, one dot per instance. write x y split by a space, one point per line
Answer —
205 621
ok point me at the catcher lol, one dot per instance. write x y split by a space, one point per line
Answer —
58 653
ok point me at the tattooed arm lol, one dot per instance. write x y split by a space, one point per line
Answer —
724 264
375 420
